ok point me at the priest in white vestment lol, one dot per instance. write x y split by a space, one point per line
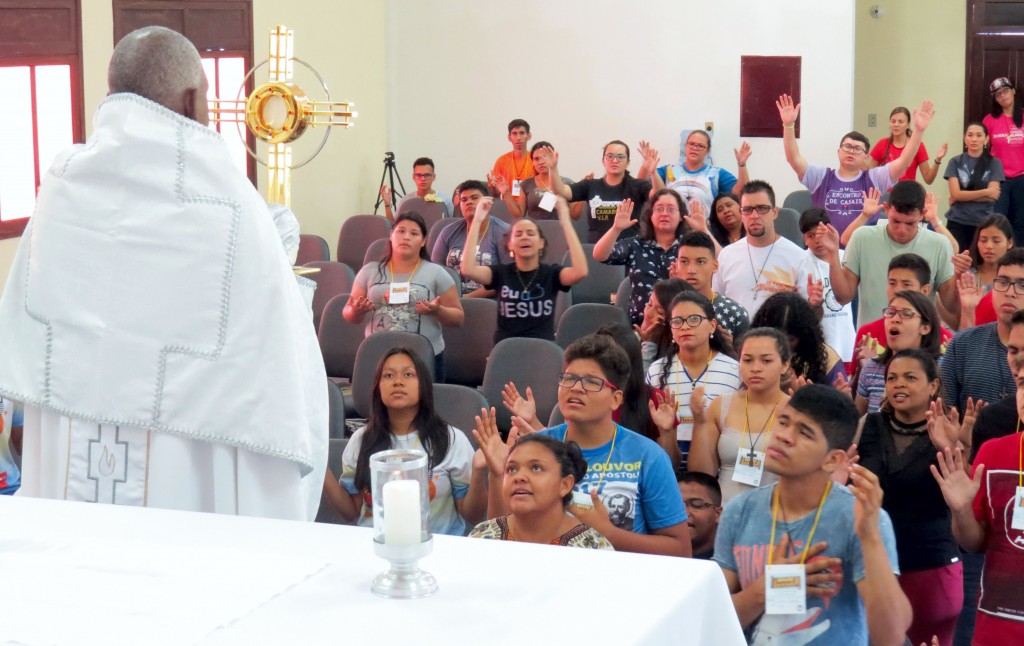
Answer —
151 322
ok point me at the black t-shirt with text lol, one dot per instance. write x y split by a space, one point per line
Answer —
526 300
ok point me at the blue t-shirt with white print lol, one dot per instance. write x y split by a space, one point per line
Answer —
639 488
741 546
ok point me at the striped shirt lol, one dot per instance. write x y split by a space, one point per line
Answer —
721 376
975 366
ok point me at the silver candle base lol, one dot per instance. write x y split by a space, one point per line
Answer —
404 580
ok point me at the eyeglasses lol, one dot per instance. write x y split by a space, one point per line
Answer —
590 384
692 320
666 209
1001 284
422 175
698 504
906 313
762 209
849 148
696 145
615 157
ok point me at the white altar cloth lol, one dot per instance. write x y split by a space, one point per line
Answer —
82 574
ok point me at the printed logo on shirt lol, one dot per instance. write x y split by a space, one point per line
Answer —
517 304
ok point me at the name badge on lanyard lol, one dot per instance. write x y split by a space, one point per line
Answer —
516 188
785 589
749 467
1018 510
398 293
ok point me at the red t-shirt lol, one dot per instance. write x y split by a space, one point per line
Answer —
985 312
876 331
1000 618
883 157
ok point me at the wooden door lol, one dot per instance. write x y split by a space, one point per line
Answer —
995 47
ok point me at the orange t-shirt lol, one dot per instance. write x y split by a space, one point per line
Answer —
510 169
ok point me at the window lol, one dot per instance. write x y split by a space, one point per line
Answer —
41 71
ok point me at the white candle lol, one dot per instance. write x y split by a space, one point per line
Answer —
401 512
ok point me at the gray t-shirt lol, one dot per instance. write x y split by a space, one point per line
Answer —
961 167
533 198
741 546
491 249
427 282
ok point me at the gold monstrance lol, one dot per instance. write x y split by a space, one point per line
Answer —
278 112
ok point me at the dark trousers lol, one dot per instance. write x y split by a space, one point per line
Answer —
439 368
1011 204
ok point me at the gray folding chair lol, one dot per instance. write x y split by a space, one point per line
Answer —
466 347
458 405
335 451
456 277
333 278
787 225
339 339
601 282
375 251
336 410
799 201
585 318
357 232
525 362
432 212
556 247
623 294
435 232
312 247
500 210
369 355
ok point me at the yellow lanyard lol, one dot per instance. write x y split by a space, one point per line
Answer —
607 462
391 268
810 537
746 421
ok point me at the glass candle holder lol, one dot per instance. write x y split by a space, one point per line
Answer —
399 481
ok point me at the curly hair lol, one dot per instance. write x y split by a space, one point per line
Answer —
793 315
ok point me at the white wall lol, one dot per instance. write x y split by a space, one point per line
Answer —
583 72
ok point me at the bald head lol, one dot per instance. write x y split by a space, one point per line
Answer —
163 66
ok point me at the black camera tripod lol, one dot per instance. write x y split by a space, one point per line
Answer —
390 173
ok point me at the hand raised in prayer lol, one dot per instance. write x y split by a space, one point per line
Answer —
498 181
943 428
623 215
939 156
663 412
828 236
548 157
866 350
742 154
589 176
794 382
815 291
872 202
842 385
483 210
958 489
385 194
970 417
428 307
934 641
961 263
787 111
698 406
650 157
923 116
489 439
931 210
967 287
524 408
697 218
868 501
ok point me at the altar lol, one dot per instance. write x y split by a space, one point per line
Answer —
87 574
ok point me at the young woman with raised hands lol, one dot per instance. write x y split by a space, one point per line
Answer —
889 149
537 485
730 436
526 288
403 416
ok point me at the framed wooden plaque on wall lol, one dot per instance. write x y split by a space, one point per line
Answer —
762 80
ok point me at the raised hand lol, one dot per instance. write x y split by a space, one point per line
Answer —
943 430
967 287
697 218
489 439
828 235
872 202
795 382
385 194
958 489
742 154
548 157
843 385
499 182
663 411
525 408
970 417
651 322
923 116
841 473
931 210
962 263
942 153
787 111
866 350
623 215
650 156
697 409
868 500
815 291
483 209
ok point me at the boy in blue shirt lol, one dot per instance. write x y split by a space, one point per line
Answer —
841 535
